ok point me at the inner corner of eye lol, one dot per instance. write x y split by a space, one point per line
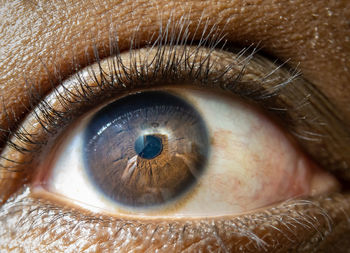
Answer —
180 153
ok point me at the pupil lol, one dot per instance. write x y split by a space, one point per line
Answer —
148 146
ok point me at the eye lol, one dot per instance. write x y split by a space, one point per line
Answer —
40 223
237 80
257 161
178 152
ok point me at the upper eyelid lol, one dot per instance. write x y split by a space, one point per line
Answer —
211 39
245 29
57 74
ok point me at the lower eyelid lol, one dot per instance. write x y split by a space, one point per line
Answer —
42 225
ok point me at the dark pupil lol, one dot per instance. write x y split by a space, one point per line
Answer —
134 168
148 146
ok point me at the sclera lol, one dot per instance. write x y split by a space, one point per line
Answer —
252 164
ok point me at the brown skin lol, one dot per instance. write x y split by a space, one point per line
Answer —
316 35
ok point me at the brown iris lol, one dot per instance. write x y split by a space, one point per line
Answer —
145 149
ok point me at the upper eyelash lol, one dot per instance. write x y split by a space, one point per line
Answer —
265 90
121 80
131 76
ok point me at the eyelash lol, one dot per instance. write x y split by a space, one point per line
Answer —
169 69
51 120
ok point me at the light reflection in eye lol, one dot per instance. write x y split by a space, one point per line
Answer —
251 163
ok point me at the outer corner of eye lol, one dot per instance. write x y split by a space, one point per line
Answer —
178 153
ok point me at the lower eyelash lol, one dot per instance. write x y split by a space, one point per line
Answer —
286 226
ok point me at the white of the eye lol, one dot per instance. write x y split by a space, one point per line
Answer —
251 164
68 176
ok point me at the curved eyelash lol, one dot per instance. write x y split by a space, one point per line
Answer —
172 48
283 221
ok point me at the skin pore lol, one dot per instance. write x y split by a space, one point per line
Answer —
314 36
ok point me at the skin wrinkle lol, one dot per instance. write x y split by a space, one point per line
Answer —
89 232
323 54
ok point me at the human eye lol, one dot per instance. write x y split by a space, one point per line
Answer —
181 135
190 232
